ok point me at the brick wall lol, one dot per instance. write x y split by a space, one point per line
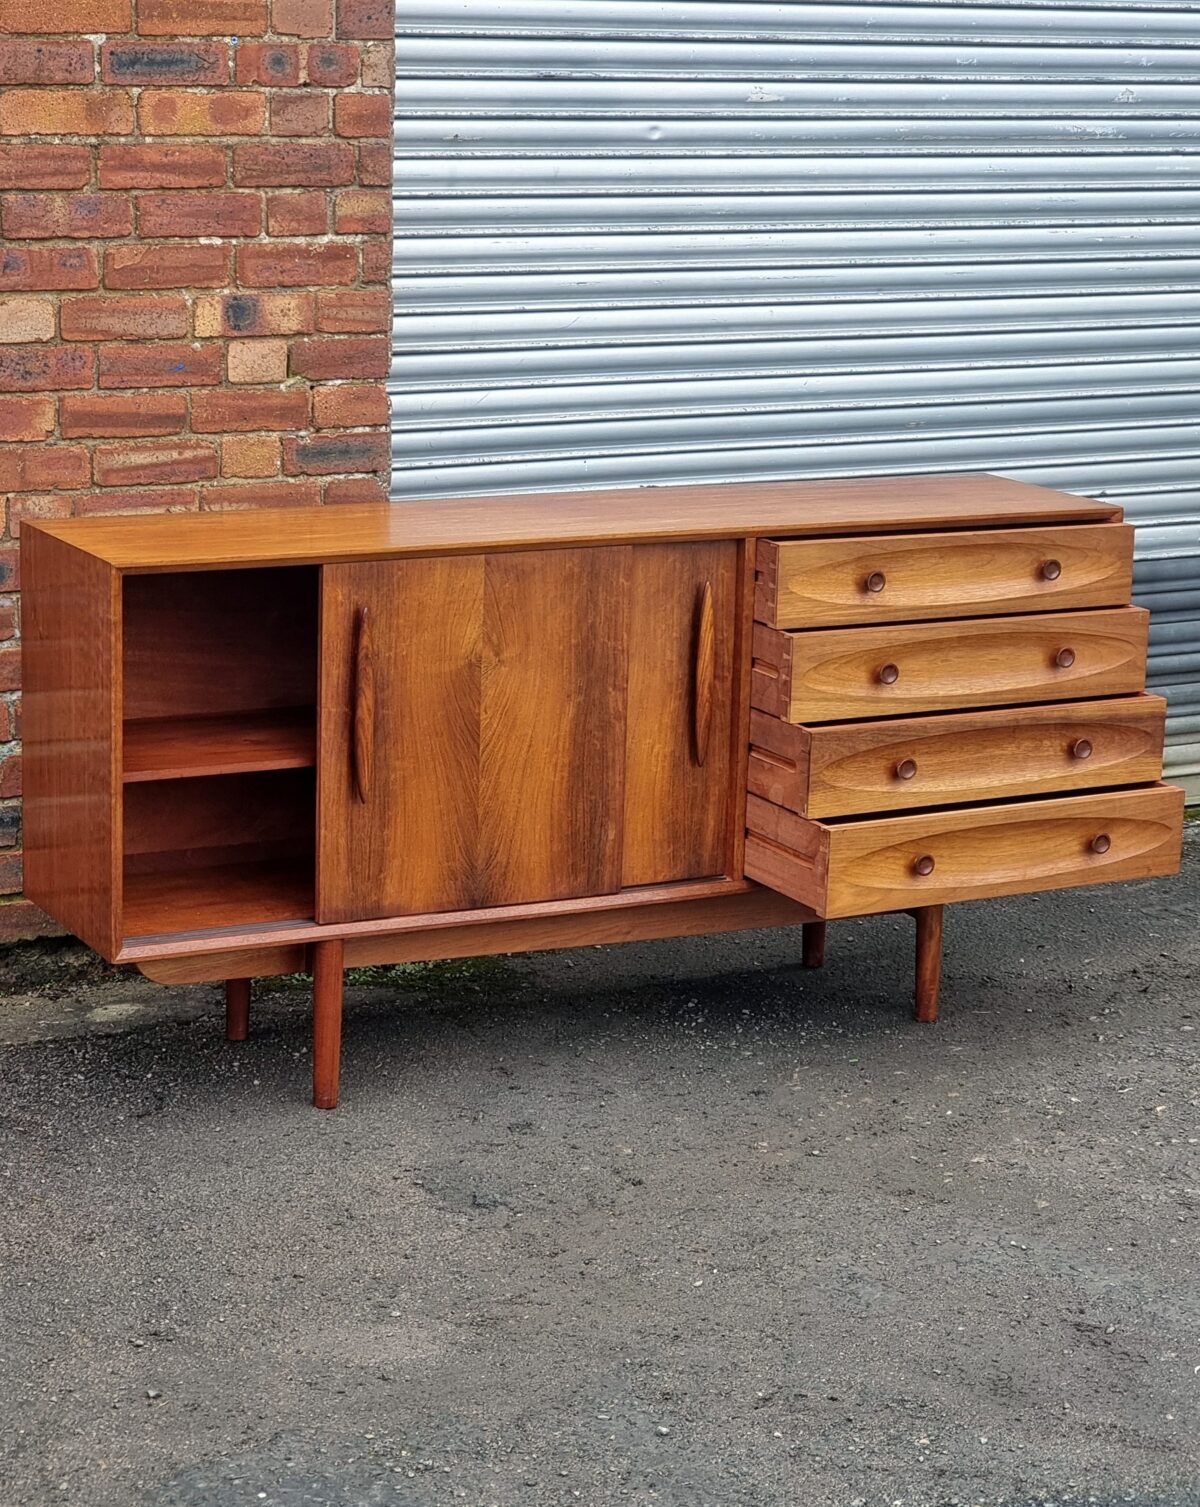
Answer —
195 256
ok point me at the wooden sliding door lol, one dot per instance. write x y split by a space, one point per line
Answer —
501 729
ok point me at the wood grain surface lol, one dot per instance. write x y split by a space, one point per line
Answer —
890 578
71 665
198 541
854 868
837 674
895 764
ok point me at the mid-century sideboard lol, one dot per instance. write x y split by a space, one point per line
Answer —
270 742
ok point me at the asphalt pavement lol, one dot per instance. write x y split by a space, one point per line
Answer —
676 1223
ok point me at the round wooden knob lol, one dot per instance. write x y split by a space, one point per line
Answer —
1065 658
1051 570
923 865
876 581
1100 843
889 674
1081 749
906 769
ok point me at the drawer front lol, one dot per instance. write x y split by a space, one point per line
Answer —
858 868
852 768
892 578
844 674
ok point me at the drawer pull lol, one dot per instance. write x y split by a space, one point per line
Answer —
876 581
906 769
923 866
362 712
704 672
1081 749
888 674
1100 843
1065 658
1051 570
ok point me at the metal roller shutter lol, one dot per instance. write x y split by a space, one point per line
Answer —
643 241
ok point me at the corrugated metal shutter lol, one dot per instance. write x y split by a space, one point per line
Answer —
643 241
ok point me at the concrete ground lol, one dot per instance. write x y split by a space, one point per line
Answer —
675 1223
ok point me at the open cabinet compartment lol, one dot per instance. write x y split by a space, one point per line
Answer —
219 749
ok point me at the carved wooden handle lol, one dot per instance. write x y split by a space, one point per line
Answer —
704 673
362 713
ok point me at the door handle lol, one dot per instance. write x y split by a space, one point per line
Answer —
362 705
704 672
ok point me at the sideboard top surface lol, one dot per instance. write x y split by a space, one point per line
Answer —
199 541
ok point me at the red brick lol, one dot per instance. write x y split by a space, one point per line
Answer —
273 164
166 266
161 500
127 465
31 165
244 412
111 415
299 113
297 214
354 489
252 314
375 164
10 877
333 356
44 62
38 506
258 494
162 165
22 921
185 112
25 318
109 318
350 407
41 368
65 216
30 468
164 62
8 630
334 454
332 64
10 669
292 264
187 214
26 418
47 268
201 18
354 311
302 18
379 65
10 775
275 63
159 365
366 19
8 730
65 112
84 17
377 261
363 211
10 567
362 115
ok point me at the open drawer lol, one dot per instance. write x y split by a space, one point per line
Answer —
862 867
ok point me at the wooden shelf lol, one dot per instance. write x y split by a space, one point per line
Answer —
172 748
231 894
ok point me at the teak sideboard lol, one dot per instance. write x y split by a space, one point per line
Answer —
271 742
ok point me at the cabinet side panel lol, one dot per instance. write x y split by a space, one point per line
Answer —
552 724
677 808
71 659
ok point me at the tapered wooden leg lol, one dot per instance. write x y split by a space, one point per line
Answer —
237 1009
929 961
327 1022
813 944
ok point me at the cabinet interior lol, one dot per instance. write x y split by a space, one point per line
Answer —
219 748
